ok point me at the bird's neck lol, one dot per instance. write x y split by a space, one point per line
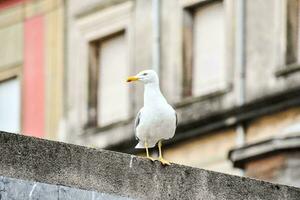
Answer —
153 95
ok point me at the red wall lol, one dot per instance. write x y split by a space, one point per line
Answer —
33 106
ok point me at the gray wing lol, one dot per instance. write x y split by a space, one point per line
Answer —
176 118
137 120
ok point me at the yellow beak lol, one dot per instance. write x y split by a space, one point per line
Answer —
132 78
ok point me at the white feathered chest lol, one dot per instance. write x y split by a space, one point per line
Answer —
156 124
157 119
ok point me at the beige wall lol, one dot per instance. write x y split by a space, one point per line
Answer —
272 125
54 63
211 151
11 50
208 151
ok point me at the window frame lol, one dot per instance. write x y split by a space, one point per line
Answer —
224 86
11 16
93 84
10 72
13 72
94 27
282 26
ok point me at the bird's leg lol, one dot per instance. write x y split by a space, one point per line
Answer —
161 159
147 152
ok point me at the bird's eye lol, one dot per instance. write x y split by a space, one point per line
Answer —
145 74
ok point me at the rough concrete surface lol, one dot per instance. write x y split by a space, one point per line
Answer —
124 175
18 189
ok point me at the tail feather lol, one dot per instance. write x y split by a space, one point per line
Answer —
141 145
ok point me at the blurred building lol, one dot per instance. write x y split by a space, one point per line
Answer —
31 66
230 68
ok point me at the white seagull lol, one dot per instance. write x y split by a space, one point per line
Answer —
157 120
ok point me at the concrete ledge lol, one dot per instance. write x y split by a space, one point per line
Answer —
124 175
242 155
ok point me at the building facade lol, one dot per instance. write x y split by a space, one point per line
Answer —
31 66
230 68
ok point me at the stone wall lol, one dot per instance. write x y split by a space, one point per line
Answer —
120 175
275 159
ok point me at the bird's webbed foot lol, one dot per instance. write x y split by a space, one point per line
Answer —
163 161
147 153
150 158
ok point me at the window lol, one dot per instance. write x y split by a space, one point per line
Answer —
289 42
103 41
10 105
204 43
109 95
292 32
11 53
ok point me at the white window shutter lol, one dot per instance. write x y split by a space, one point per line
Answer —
10 106
113 94
209 48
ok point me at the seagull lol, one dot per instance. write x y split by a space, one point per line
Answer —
157 120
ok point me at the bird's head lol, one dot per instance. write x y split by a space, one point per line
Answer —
145 76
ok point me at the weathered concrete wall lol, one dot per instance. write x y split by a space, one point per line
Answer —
215 146
197 152
18 189
275 159
279 167
264 49
124 175
272 125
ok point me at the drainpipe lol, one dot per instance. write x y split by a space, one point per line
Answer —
156 43
64 121
156 36
240 64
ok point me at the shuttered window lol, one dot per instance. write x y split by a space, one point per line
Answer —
288 37
11 54
292 28
204 48
10 105
113 92
109 95
209 47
